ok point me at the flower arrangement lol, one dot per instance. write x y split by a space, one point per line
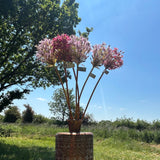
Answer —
71 51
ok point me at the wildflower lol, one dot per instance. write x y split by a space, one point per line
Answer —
113 59
45 52
61 48
98 55
80 47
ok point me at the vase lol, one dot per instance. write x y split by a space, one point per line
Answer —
74 125
74 146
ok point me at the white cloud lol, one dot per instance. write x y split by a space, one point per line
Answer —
122 109
143 100
99 107
109 108
41 99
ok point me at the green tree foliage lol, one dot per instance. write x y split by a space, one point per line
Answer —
40 119
6 99
59 107
86 33
23 23
1 118
28 114
12 115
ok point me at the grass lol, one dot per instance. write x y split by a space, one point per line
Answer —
115 149
37 142
22 148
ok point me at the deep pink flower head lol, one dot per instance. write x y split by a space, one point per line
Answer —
113 59
61 48
80 47
98 55
45 52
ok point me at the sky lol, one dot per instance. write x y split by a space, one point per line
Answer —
132 91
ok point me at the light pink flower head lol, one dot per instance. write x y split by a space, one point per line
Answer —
61 48
45 51
80 47
98 55
113 59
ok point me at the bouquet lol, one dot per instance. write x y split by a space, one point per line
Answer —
71 51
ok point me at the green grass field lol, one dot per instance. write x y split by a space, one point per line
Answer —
37 142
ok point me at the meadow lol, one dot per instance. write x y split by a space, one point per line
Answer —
112 141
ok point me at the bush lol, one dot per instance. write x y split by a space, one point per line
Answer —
5 132
124 122
148 136
142 125
12 115
28 114
156 125
40 119
1 118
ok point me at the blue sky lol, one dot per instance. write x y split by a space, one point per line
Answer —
133 90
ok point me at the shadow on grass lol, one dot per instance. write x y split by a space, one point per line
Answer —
13 152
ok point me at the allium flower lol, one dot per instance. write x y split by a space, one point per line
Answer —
45 52
113 59
80 47
98 55
61 48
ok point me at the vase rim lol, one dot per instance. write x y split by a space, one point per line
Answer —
74 133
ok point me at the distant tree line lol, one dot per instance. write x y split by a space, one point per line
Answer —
13 115
127 128
124 129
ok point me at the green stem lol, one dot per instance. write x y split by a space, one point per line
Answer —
92 94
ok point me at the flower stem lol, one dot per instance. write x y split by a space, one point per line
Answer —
67 98
92 94
77 96
77 92
85 82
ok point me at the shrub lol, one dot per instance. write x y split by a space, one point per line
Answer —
134 134
124 122
5 132
28 114
147 136
1 118
40 119
156 125
141 125
12 115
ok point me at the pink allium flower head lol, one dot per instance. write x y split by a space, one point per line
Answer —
45 52
113 59
61 48
80 47
98 55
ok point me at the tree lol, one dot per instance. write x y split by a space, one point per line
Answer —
60 109
59 105
12 114
23 23
28 114
6 99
